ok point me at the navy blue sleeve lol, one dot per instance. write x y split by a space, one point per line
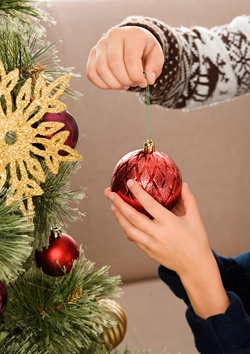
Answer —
235 275
227 333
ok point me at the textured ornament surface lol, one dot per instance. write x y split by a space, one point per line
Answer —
113 336
156 172
3 298
21 135
58 258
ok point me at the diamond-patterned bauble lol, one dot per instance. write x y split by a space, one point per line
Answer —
3 298
58 258
155 171
113 336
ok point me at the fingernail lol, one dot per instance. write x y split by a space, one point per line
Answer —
112 207
154 76
143 84
125 87
185 185
111 196
130 183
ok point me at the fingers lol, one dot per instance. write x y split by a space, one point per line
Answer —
154 62
119 58
124 56
91 71
158 212
107 192
189 202
109 64
134 224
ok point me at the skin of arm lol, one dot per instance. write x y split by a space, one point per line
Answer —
178 240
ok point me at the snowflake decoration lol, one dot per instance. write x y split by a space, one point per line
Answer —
19 165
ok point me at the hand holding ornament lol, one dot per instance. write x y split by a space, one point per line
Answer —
176 239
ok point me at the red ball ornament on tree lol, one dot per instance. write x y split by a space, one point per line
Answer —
58 258
155 171
3 298
69 124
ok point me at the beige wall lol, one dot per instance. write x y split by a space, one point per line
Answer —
210 145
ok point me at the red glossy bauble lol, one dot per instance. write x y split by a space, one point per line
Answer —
69 124
58 258
155 171
3 298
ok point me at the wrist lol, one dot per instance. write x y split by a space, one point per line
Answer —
205 289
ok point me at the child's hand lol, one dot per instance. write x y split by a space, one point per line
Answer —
177 240
120 57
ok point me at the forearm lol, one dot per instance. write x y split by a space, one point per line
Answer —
205 289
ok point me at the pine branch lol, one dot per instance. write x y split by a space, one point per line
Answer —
20 8
64 309
23 46
11 345
15 239
53 207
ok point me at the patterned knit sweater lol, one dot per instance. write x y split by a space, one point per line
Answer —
202 66
205 66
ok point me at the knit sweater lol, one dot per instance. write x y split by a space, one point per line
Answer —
202 66
206 66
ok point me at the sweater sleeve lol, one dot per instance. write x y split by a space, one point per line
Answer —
202 66
227 333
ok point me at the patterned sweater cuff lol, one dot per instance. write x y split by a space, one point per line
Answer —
224 333
161 91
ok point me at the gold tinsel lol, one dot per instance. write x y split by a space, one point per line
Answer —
19 165
113 336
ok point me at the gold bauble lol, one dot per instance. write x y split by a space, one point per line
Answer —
113 336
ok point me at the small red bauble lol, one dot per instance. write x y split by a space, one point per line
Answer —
155 171
3 298
58 258
69 124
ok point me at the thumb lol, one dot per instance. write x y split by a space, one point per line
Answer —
153 63
189 201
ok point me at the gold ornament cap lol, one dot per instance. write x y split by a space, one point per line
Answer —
55 232
149 146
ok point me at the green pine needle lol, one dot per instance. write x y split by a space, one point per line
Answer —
23 46
54 206
62 313
20 9
15 239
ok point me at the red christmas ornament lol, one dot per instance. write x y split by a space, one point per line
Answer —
3 298
57 259
69 124
155 171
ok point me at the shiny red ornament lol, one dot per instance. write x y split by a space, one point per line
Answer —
155 171
3 298
69 124
58 258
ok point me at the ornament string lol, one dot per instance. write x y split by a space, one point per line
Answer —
148 107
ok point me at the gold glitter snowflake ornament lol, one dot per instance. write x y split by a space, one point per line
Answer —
23 138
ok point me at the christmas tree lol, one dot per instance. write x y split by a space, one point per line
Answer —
52 298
